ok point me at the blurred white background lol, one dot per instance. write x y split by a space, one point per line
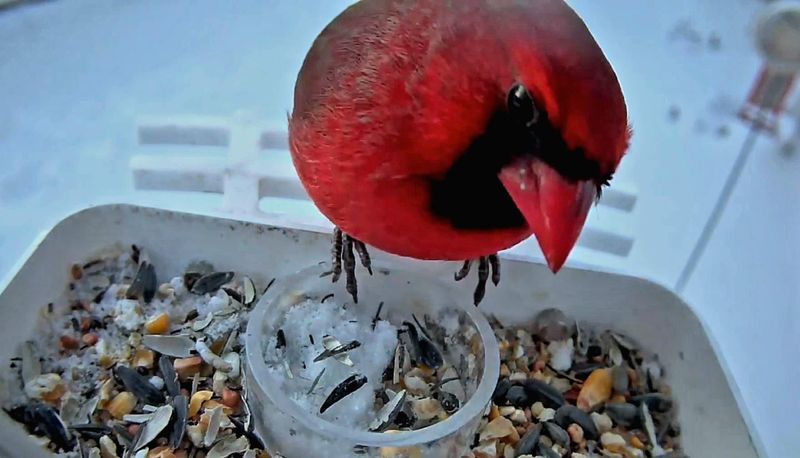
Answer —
75 76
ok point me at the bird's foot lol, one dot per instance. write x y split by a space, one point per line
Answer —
343 256
485 264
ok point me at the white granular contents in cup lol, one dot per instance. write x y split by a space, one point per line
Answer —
317 319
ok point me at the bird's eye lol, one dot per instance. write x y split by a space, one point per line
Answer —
521 106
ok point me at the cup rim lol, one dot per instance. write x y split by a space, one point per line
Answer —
472 409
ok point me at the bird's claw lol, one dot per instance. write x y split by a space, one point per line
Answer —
344 258
464 271
345 248
336 254
485 265
361 249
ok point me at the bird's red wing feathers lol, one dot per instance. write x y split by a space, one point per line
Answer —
393 91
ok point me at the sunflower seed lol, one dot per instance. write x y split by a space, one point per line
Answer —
151 429
344 389
568 414
338 350
211 282
228 446
199 325
144 283
557 433
650 428
180 404
388 412
623 414
656 402
179 346
541 391
87 409
422 350
331 344
214 420
47 420
137 418
169 375
248 291
615 355
139 386
527 444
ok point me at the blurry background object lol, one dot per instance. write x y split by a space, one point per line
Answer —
792 142
777 39
9 3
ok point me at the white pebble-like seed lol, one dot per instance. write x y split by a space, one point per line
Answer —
546 415
602 422
108 449
507 410
128 315
608 439
518 417
518 377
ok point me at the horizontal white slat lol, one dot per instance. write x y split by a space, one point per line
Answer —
184 130
619 197
274 139
187 173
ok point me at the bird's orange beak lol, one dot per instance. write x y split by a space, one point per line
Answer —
554 207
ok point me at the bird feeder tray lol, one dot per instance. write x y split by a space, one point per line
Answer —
714 423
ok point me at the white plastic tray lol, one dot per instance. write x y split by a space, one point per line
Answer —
712 423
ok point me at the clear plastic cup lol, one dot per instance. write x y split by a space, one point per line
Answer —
293 432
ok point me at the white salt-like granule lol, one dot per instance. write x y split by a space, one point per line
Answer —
127 315
221 327
450 323
317 319
179 285
211 303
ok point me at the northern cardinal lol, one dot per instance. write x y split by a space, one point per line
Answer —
450 130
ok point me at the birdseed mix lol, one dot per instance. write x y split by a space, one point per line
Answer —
566 390
131 367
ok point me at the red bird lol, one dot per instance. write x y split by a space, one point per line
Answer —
450 130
